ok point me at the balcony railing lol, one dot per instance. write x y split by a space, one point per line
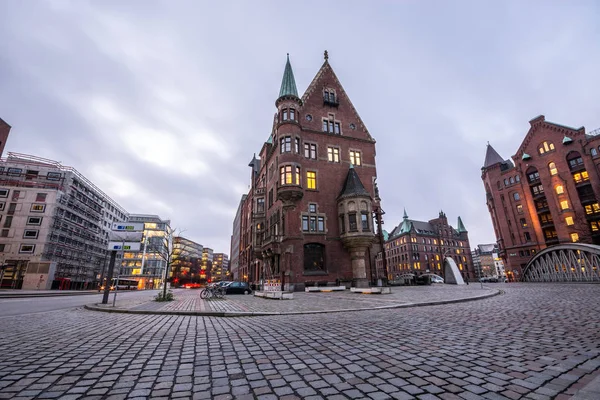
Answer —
331 101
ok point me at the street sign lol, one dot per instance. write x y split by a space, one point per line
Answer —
128 226
127 246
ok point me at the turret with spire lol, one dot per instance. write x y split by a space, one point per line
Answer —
355 207
288 90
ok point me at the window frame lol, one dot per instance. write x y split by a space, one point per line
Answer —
36 231
21 251
34 205
355 155
311 180
28 222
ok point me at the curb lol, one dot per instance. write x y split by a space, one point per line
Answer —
232 314
30 295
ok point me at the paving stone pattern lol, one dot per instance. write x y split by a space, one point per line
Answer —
189 300
536 341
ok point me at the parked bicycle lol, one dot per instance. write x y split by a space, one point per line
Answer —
208 292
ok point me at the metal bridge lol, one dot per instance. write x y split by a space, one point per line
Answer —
576 262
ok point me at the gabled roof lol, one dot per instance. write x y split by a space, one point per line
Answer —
491 157
314 86
353 187
288 83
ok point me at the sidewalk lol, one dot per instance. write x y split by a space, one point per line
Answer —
188 302
15 293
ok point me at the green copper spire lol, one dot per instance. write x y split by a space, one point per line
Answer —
288 84
461 227
405 214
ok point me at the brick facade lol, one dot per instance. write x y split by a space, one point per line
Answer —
418 247
547 194
290 224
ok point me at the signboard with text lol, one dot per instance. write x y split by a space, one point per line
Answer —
125 246
128 226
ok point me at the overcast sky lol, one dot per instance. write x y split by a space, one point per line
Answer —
162 103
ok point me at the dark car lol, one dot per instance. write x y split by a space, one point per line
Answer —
238 288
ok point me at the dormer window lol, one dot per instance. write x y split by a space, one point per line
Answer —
330 98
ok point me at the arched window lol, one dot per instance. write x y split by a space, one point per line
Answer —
284 114
533 175
560 189
552 168
545 147
314 257
292 114
512 180
516 196
593 152
505 182
574 159
517 178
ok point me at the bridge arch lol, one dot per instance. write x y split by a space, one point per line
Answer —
575 262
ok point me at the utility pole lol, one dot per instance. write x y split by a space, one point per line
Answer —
111 267
378 213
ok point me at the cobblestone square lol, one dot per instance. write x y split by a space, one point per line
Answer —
534 341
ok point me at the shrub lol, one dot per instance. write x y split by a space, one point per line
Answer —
167 297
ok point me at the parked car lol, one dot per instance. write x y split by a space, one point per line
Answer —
437 279
238 288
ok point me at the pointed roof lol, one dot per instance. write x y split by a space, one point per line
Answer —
491 157
405 214
461 227
353 186
288 83
526 157
327 75
567 140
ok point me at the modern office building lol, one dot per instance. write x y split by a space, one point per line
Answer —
186 265
235 242
220 267
54 225
485 259
207 263
309 213
148 265
419 247
547 194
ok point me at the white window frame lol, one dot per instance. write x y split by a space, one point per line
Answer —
21 251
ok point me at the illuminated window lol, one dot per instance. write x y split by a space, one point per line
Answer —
286 175
333 154
546 147
560 189
297 145
592 209
298 176
523 222
437 257
38 207
595 226
564 205
569 221
355 157
552 168
519 209
311 180
574 237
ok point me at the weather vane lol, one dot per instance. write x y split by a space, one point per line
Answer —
326 55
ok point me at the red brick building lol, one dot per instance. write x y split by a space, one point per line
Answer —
309 214
419 247
547 194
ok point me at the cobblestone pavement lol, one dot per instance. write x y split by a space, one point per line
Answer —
536 342
189 300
